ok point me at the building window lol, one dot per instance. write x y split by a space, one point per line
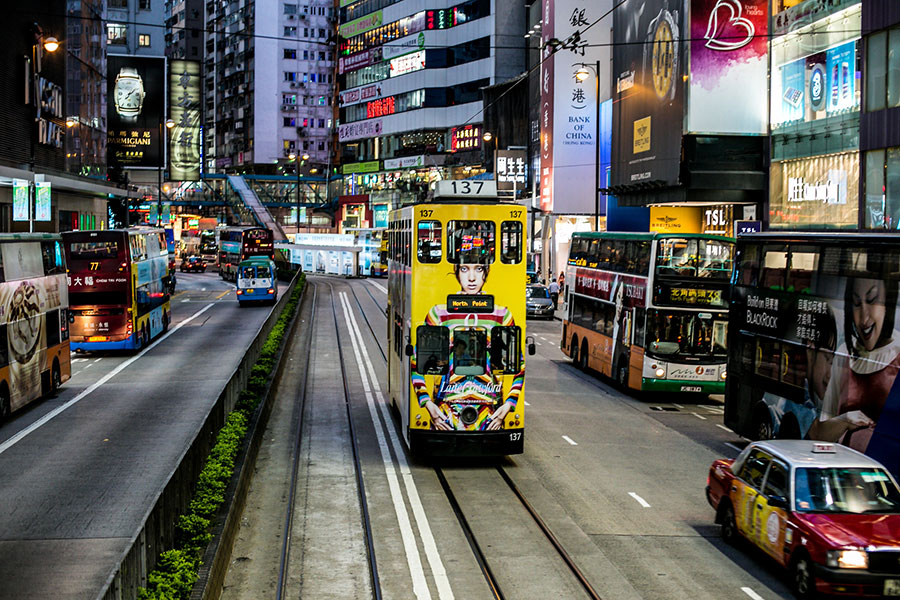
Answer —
883 70
290 32
305 54
290 9
289 144
144 5
118 4
288 122
290 76
290 53
882 189
116 34
289 98
144 39
321 123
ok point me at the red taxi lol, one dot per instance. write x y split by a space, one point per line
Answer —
828 513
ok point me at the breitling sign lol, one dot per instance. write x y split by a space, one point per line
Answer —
135 113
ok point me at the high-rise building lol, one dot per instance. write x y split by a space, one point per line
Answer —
184 29
411 75
269 80
136 27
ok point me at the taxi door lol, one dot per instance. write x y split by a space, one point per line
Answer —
771 522
745 490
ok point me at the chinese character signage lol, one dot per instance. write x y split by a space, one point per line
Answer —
467 137
184 107
509 166
380 107
42 201
20 199
136 91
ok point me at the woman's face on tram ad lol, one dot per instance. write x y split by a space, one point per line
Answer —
868 298
819 361
471 277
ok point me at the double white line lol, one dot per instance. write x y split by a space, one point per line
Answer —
373 391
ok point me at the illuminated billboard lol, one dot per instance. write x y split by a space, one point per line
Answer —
136 109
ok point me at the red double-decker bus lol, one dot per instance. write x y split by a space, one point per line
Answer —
240 243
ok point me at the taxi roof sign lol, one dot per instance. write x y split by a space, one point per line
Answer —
822 447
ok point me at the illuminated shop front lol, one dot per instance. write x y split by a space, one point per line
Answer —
821 192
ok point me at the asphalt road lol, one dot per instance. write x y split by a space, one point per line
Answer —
619 480
81 471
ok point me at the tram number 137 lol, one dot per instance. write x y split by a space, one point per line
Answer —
515 436
465 187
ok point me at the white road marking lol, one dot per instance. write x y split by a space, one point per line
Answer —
713 409
677 405
185 300
75 360
50 415
570 440
720 426
537 343
701 417
640 500
96 360
378 285
751 593
87 366
526 404
730 445
420 586
75 373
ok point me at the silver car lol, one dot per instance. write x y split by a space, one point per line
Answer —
538 302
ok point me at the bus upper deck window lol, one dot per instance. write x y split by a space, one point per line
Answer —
429 242
774 267
511 242
470 242
748 265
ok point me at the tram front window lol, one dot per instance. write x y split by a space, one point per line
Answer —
469 347
470 242
676 334
432 349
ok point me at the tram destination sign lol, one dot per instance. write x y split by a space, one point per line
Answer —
463 303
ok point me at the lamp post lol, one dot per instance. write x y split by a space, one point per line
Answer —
169 125
41 44
581 75
297 164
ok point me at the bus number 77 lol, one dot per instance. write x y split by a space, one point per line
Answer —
95 266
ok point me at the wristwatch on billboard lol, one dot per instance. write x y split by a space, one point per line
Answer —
128 94
661 54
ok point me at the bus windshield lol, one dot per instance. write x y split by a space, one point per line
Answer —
678 334
94 250
694 258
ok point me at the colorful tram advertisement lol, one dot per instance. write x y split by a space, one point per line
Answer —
34 324
815 341
118 287
240 243
649 310
456 327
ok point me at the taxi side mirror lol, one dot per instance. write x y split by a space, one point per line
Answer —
778 502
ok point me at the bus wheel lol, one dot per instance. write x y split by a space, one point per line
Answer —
573 350
622 376
4 403
762 426
145 336
55 377
165 321
583 356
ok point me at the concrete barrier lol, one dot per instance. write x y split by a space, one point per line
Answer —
158 531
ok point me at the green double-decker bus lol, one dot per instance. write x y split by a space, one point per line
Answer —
649 310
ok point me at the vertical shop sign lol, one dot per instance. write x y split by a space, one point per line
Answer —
184 103
20 199
42 210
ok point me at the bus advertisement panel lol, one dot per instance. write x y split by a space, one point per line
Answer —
815 341
648 309
34 332
456 308
118 287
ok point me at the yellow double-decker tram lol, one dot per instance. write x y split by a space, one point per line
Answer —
456 325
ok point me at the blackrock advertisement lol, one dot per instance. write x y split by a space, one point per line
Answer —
136 111
648 107
831 355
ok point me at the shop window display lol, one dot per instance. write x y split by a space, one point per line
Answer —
882 189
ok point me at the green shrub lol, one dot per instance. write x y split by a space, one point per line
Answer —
176 570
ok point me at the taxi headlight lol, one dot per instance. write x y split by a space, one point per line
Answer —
847 559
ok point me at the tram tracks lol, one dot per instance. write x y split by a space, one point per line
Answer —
481 557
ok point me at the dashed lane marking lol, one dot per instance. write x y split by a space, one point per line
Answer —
640 500
570 440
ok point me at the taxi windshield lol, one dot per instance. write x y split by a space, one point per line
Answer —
856 490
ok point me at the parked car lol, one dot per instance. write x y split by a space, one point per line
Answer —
538 302
829 514
193 263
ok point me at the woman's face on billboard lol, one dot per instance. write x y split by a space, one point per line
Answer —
471 278
868 296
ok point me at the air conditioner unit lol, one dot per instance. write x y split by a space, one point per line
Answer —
291 17
287 107
293 84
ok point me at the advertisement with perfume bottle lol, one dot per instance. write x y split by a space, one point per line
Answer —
136 92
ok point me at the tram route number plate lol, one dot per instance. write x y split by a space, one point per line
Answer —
463 303
892 587
691 388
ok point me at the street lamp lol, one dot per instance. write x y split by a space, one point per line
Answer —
170 123
581 75
49 44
